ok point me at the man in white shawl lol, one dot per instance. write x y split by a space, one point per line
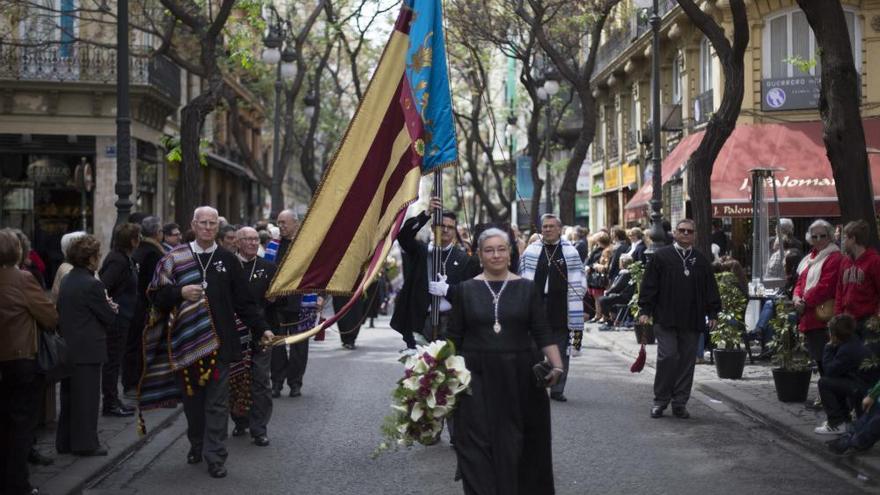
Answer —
555 266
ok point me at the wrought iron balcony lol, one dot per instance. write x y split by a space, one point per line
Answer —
613 151
631 139
618 40
703 107
598 153
80 62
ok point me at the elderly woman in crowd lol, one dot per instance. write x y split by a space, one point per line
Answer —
597 267
816 285
503 425
65 267
119 273
24 308
86 312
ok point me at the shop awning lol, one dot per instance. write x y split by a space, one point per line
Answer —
228 165
805 185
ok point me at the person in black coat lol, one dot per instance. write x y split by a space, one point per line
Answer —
119 273
637 245
85 313
843 384
146 257
411 312
679 292
620 291
621 247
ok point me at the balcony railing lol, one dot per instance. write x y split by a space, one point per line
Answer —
87 63
617 41
632 139
613 151
598 153
703 107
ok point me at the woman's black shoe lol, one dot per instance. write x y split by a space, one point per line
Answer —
217 470
239 431
261 441
193 458
118 411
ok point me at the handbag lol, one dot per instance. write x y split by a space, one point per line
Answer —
53 359
825 311
541 370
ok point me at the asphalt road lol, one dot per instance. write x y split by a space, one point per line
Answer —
603 441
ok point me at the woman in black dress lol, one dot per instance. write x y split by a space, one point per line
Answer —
502 427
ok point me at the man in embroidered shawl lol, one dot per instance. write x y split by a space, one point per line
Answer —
197 291
555 266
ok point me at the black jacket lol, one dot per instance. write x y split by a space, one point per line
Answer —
412 302
639 253
845 359
621 285
119 272
582 249
676 300
228 296
614 267
147 256
259 273
84 316
286 308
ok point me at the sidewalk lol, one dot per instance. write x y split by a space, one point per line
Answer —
69 474
754 395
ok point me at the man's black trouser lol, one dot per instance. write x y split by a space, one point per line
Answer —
290 367
21 390
839 396
207 415
676 358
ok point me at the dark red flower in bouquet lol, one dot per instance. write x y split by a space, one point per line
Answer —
640 361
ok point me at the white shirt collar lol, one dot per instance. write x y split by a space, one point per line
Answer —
198 249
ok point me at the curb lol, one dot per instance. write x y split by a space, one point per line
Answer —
74 480
742 405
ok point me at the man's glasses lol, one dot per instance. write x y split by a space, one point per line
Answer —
818 236
685 231
249 239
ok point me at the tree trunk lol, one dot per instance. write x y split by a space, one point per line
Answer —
722 123
843 134
568 189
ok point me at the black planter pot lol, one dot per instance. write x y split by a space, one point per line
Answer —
791 386
730 364
647 331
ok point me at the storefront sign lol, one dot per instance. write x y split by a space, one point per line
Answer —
110 151
738 211
630 174
598 187
612 178
582 205
792 93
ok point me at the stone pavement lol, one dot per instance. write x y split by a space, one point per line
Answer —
69 474
753 395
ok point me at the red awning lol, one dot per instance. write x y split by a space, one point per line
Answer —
805 185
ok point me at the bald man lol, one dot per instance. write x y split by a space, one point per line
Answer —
205 287
259 274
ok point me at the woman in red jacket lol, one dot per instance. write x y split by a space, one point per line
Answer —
817 283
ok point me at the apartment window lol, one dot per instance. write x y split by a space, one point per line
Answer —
788 35
676 81
705 65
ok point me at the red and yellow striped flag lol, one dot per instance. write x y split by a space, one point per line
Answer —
398 129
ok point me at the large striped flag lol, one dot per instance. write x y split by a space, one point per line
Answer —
403 128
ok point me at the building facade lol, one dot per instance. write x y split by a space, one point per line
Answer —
781 99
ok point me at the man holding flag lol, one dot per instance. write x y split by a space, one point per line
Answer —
402 129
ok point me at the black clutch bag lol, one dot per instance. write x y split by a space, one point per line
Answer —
541 370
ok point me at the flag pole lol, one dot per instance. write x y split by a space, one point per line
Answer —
437 253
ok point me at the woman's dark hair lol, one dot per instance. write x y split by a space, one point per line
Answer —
168 228
842 327
10 248
82 250
125 235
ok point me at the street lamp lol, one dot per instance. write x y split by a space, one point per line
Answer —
550 87
285 70
123 117
310 103
510 130
658 233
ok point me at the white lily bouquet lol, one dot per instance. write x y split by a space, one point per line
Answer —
433 378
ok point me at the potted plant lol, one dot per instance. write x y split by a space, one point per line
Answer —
646 331
730 357
792 372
